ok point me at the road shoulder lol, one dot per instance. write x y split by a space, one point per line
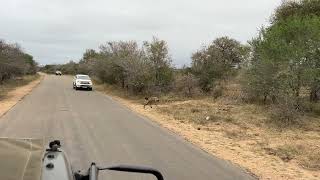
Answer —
16 95
183 131
215 142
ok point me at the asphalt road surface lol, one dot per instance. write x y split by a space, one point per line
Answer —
93 127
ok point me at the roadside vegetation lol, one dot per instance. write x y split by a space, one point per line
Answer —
12 84
17 68
261 99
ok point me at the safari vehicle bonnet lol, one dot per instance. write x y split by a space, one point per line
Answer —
28 159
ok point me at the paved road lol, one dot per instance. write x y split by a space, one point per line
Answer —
93 127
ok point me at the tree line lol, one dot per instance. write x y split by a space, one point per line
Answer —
148 69
281 66
285 63
14 62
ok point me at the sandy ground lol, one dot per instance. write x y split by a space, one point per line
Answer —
244 150
14 96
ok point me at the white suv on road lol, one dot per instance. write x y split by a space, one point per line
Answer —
81 81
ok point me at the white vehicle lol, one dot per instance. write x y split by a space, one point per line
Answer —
81 81
58 73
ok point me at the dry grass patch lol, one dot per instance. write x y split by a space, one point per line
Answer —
11 84
237 134
13 92
285 152
311 161
306 155
249 132
197 111
241 133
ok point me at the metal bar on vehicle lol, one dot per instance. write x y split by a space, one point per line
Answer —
135 169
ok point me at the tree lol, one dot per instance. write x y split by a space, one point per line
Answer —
186 83
301 8
87 62
14 62
289 50
31 67
157 54
123 63
88 55
218 61
69 68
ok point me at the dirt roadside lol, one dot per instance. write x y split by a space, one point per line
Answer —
247 148
14 96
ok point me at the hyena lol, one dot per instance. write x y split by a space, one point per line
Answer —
150 100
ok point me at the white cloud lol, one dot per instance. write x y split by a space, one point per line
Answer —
55 31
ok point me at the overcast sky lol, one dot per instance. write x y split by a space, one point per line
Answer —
56 31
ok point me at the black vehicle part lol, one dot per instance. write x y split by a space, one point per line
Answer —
54 145
135 169
93 171
54 152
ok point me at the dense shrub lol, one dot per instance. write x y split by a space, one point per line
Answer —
14 62
186 84
285 112
140 70
218 61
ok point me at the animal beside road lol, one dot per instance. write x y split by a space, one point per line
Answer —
150 101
